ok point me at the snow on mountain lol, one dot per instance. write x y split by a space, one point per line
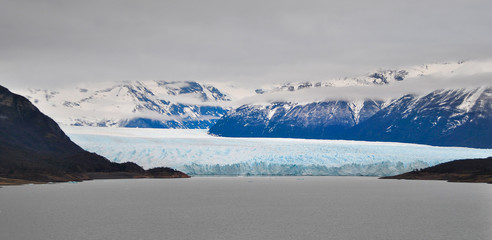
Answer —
381 85
388 76
196 153
450 105
447 117
164 104
134 104
286 119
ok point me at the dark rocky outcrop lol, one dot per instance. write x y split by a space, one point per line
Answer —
34 148
469 170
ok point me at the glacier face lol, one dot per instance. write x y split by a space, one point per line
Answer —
196 153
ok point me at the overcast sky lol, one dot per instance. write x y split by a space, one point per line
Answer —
56 42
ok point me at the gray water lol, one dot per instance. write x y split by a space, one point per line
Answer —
247 208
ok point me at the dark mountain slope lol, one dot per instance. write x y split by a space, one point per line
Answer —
33 147
470 170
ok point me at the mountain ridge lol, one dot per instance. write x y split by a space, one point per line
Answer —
458 117
192 104
126 104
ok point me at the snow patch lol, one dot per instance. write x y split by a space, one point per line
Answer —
356 106
471 99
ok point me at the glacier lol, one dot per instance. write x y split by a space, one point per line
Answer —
195 152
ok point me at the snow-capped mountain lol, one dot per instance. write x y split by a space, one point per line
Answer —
459 117
337 103
286 119
371 107
135 104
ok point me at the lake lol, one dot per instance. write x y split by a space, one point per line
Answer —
247 208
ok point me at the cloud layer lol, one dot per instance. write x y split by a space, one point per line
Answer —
416 85
56 42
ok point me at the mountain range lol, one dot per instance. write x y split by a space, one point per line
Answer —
417 104
148 104
460 117
191 104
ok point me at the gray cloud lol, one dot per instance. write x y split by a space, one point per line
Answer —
53 42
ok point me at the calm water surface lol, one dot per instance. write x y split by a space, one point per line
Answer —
247 208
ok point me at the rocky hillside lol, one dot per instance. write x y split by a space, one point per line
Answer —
33 147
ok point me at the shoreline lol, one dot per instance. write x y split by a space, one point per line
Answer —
5 181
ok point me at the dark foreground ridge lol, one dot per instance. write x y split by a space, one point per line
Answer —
469 170
33 149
